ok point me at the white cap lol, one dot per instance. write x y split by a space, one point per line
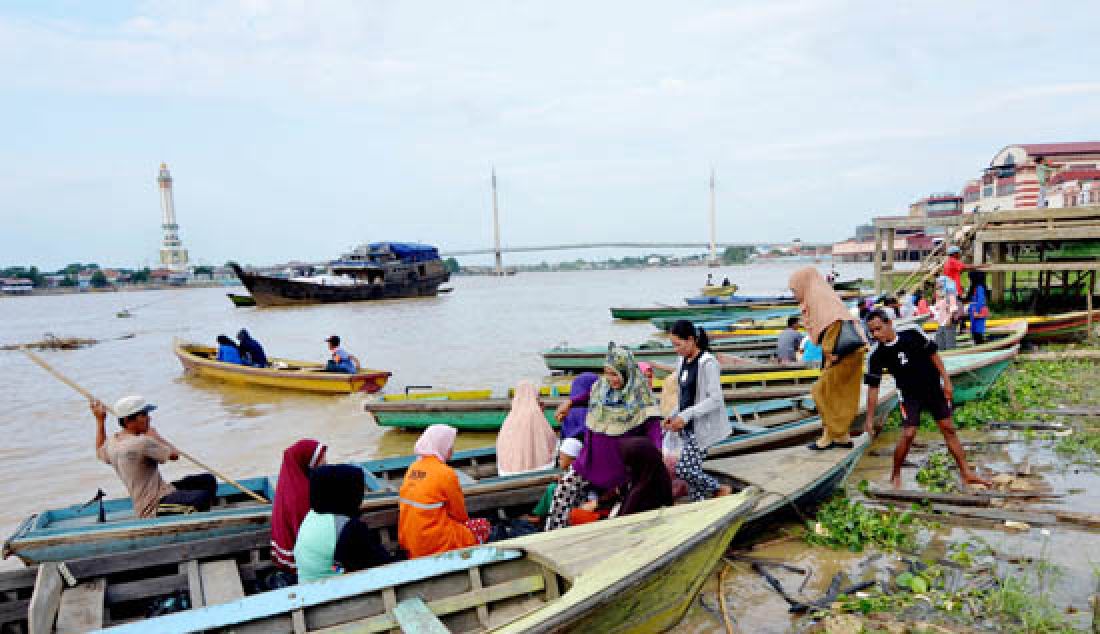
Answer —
130 405
571 447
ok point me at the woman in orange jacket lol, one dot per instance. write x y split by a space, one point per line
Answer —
432 510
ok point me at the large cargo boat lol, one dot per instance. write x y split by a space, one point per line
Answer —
381 270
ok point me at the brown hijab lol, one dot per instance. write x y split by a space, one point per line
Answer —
821 306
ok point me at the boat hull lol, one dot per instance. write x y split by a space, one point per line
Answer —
196 362
241 301
275 291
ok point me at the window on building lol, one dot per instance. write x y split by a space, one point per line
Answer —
1009 159
987 191
1006 189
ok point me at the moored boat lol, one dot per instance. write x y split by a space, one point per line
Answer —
241 301
718 291
649 312
381 270
199 360
704 300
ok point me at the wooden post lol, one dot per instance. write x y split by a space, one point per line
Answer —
888 281
1088 305
877 259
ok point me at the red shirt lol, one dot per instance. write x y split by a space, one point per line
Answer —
952 268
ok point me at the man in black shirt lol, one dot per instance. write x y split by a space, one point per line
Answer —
918 371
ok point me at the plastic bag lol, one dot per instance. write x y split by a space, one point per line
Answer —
672 444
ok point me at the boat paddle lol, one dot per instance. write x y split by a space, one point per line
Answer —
88 395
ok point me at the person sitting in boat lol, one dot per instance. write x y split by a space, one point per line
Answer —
786 344
252 353
526 442
701 419
341 361
621 406
726 282
571 413
431 506
228 352
650 485
292 502
136 453
567 453
332 539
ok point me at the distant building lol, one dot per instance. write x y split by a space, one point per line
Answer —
16 286
1010 181
937 205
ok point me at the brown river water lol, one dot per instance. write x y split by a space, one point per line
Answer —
487 333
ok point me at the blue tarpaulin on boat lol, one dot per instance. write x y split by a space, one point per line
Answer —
408 251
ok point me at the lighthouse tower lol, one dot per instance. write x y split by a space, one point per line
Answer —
172 253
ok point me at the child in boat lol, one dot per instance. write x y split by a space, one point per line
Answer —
923 383
292 500
432 509
567 453
228 351
332 540
340 360
136 453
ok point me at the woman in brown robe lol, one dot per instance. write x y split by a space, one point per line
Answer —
836 392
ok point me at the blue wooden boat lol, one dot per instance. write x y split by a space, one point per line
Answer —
703 300
75 532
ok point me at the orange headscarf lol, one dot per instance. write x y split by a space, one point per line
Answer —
821 306
526 441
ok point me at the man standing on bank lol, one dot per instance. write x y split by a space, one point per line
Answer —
136 453
923 384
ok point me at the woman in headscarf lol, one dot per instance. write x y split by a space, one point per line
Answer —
526 442
621 406
252 353
332 540
944 311
700 419
908 307
978 309
432 509
836 392
228 351
571 413
292 499
650 485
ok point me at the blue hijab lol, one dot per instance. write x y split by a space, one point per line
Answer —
251 350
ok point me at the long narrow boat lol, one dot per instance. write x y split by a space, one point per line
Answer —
288 374
74 532
649 312
584 358
217 574
705 299
440 395
241 301
719 291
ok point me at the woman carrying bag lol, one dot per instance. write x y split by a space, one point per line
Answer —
700 420
843 345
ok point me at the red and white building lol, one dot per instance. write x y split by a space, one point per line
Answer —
1010 181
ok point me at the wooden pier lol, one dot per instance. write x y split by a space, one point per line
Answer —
1046 258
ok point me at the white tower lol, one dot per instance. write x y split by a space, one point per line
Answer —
498 269
713 225
172 253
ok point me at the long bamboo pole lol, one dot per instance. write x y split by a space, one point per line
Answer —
88 395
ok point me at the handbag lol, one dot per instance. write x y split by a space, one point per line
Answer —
849 340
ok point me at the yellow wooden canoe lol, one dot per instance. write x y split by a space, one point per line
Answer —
719 291
441 395
288 374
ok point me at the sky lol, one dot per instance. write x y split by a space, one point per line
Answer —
295 130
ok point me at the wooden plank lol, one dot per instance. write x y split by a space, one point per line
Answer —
221 583
194 583
1033 425
1069 411
82 607
45 600
450 605
298 621
913 495
414 617
1090 520
102 565
1035 519
475 584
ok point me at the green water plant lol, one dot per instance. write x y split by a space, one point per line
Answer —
842 523
935 475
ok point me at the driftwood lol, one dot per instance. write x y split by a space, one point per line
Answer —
1090 520
1065 411
51 342
1033 425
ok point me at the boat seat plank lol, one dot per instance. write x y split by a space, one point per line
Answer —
82 607
745 427
221 582
446 605
414 617
464 479
45 600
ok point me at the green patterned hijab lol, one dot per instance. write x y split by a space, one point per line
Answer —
615 412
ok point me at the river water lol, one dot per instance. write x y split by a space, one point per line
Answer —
487 333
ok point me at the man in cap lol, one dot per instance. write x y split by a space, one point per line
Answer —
340 360
136 451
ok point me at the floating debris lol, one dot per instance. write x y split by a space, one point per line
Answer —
51 342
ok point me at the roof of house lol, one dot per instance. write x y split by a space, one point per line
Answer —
1075 175
1073 147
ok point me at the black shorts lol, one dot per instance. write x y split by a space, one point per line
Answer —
934 404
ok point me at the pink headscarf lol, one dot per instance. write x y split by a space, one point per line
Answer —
526 441
437 440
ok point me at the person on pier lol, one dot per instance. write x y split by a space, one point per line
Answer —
136 454
431 506
836 392
621 406
332 540
923 383
292 499
700 419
